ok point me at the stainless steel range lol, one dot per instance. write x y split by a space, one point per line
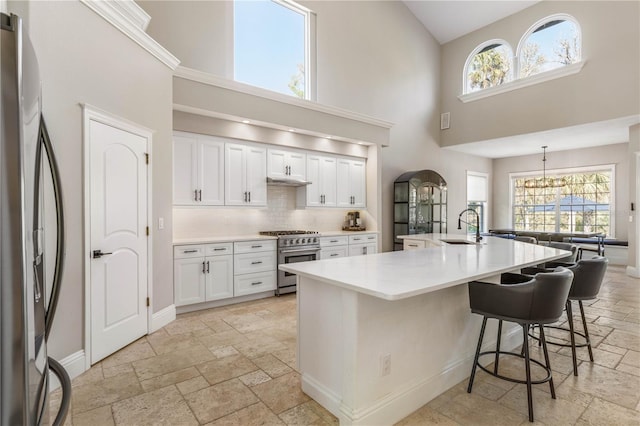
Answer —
294 246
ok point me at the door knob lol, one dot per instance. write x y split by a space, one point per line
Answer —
97 254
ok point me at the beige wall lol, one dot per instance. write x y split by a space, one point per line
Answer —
606 88
83 59
611 154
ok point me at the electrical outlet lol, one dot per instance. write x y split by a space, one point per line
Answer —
385 365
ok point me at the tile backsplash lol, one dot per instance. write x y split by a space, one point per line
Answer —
280 214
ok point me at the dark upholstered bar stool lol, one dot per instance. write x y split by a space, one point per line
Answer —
525 239
524 300
587 280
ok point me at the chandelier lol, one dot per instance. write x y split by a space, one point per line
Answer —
544 181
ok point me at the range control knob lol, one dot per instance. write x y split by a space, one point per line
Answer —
298 241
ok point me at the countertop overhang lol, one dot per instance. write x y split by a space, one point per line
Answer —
403 274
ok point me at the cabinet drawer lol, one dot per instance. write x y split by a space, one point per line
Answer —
254 246
184 252
248 263
254 283
219 249
334 252
334 241
413 244
363 238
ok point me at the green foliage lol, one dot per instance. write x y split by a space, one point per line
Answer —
488 69
296 83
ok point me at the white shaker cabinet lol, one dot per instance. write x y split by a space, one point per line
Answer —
286 164
321 171
245 175
202 273
363 244
198 166
351 189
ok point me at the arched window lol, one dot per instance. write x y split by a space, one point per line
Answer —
552 42
489 65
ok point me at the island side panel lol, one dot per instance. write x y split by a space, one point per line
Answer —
344 336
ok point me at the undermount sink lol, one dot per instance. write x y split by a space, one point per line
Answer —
449 241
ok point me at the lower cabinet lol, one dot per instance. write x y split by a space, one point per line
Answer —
202 273
363 244
255 265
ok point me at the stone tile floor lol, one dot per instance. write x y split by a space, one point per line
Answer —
235 365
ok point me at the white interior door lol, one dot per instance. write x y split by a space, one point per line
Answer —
118 209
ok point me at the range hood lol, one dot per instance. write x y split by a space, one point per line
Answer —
286 181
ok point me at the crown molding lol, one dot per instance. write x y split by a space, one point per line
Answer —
214 80
126 17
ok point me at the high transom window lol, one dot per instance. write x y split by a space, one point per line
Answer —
552 43
583 204
271 46
489 66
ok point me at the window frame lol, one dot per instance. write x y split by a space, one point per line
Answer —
478 49
309 49
532 29
611 168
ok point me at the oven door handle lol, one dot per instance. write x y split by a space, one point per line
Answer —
300 250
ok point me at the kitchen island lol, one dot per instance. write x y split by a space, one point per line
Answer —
381 335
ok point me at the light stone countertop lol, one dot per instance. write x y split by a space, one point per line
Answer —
339 233
403 274
221 239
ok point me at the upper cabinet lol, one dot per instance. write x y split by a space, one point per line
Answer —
351 189
321 172
245 176
198 170
286 164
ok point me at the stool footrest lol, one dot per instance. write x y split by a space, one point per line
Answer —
566 345
510 379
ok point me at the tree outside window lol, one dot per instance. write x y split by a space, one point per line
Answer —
554 44
490 67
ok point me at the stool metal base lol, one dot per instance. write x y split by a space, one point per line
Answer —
524 355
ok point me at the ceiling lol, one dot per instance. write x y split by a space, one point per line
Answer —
449 20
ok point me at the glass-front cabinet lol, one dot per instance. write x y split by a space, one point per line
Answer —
420 205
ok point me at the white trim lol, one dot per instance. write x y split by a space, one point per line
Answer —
74 364
214 80
130 26
538 24
132 12
633 272
161 318
91 113
524 82
223 302
474 52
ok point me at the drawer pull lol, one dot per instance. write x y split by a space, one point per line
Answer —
256 283
357 239
334 254
257 262
256 246
333 241
371 238
412 245
190 251
219 249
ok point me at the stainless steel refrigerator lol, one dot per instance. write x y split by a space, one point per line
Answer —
28 297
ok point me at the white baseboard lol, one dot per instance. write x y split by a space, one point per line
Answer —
402 402
633 271
74 364
162 317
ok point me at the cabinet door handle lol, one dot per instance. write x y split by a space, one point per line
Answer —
257 262
256 246
245 196
334 254
249 196
190 251
195 195
371 238
219 249
256 283
333 241
356 239
207 266
199 194
203 268
412 245
364 250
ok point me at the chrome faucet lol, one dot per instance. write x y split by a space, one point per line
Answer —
478 237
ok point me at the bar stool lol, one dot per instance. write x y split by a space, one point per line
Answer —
588 275
525 239
524 300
